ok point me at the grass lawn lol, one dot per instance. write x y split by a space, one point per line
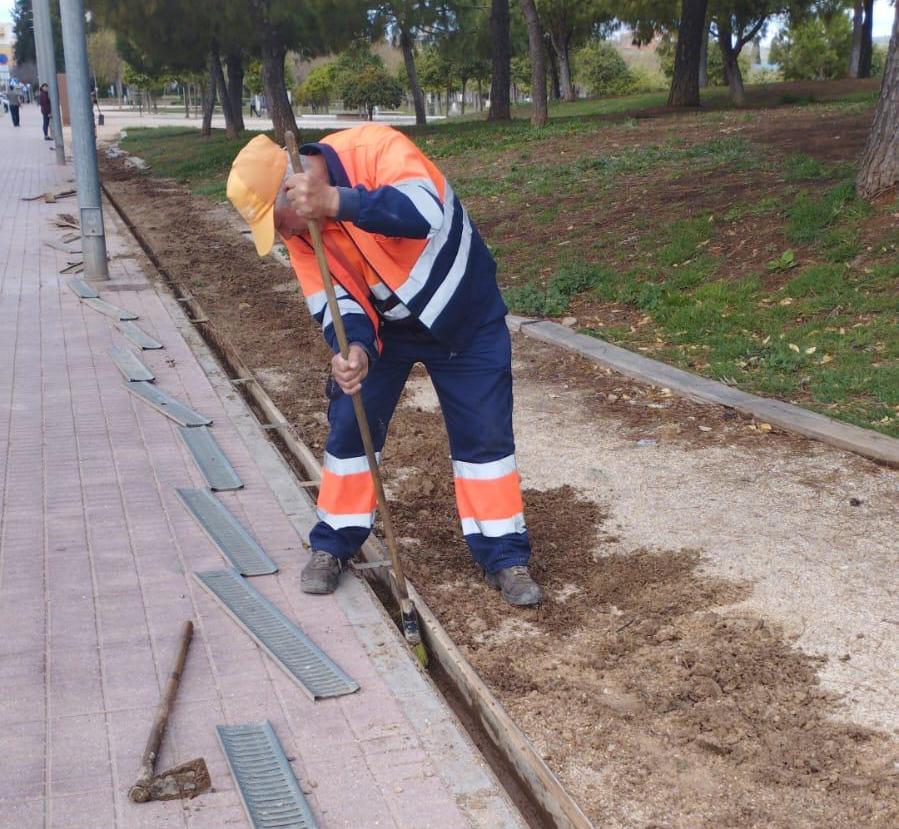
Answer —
727 242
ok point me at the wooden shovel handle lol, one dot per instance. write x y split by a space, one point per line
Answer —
361 418
140 791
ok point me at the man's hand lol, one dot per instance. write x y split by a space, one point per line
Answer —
311 197
350 373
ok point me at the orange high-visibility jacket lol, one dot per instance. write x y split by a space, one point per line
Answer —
403 246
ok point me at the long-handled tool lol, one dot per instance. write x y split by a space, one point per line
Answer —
411 629
184 781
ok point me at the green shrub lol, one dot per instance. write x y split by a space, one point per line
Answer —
814 49
600 67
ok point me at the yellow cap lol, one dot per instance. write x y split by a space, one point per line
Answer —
253 185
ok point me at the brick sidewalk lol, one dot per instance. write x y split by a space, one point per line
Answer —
96 553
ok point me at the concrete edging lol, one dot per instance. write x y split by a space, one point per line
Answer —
787 416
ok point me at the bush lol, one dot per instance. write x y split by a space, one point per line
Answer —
878 60
372 87
600 67
318 88
815 49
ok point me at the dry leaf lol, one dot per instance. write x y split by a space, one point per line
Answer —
705 428
766 340
825 359
765 427
786 301
794 347
811 349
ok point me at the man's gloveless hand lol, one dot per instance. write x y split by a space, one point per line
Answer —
350 373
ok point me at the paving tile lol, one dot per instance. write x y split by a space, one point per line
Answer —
82 811
79 756
22 761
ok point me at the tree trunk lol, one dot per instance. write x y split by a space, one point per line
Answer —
867 46
732 73
539 114
418 98
879 169
704 62
562 47
215 65
186 92
273 54
858 17
690 34
555 88
208 101
480 96
464 82
500 106
235 89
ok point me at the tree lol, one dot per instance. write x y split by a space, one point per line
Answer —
500 105
373 86
736 23
690 33
311 28
813 48
104 58
602 68
408 20
867 43
567 23
540 114
24 49
879 168
317 89
858 19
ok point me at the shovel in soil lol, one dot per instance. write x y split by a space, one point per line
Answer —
411 629
186 780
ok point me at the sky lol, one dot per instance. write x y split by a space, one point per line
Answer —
883 17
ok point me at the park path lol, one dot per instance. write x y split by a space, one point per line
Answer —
96 554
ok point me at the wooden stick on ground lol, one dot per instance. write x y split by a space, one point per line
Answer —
140 791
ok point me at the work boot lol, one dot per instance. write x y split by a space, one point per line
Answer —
320 575
517 586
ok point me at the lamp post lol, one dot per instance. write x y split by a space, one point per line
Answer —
84 143
46 69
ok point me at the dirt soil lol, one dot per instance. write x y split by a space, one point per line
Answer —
649 681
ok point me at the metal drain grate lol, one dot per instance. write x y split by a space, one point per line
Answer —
216 468
80 287
130 365
168 405
266 783
138 336
228 534
277 635
109 310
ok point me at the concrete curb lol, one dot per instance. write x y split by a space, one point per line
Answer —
787 416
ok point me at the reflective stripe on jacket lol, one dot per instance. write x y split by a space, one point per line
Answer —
403 232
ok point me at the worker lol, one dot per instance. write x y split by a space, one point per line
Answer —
415 284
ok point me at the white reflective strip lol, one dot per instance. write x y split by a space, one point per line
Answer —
398 312
347 466
341 521
485 471
494 528
380 290
346 306
423 183
421 270
316 302
447 288
424 203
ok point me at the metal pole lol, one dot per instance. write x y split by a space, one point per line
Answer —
46 54
84 143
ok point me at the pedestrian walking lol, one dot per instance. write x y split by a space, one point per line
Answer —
416 284
14 103
43 98
254 105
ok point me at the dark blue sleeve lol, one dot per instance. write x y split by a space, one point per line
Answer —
410 211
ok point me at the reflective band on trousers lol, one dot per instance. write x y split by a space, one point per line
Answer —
347 466
496 528
341 521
